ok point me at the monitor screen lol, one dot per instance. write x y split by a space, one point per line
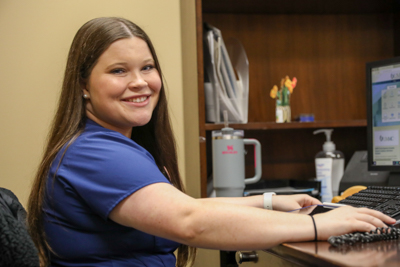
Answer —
383 115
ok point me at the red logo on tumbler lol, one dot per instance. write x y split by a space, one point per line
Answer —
229 150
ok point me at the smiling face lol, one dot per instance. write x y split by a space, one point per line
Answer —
123 87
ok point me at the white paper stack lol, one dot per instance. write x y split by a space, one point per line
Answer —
226 78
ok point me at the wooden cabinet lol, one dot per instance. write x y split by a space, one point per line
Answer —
325 44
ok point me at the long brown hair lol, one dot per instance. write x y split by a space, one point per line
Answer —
91 40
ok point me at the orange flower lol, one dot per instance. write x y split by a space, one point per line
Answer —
288 84
294 82
274 91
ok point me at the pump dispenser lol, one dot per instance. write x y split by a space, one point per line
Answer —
329 166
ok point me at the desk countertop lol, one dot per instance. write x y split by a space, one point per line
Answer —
382 253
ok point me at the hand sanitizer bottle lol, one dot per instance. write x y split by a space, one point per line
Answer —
329 166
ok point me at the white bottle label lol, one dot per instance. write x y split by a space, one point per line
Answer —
337 174
323 167
279 114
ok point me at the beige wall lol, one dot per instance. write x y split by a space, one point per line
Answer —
190 97
35 38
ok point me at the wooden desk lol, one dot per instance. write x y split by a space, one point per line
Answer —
382 253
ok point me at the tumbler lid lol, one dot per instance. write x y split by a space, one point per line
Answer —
227 133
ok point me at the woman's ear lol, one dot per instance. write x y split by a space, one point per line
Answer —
85 94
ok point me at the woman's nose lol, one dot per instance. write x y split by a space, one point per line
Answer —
137 82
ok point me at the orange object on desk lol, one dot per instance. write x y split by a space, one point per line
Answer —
348 192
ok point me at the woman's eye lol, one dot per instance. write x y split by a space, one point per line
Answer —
148 67
118 71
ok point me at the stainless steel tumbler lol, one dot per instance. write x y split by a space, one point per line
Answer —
229 163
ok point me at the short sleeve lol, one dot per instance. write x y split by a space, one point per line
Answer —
103 168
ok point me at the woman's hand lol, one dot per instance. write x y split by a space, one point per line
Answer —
344 220
292 202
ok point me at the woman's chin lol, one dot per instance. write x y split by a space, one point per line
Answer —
141 121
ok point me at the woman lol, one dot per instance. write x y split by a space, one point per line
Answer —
108 190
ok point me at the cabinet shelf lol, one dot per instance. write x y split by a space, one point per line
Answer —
325 45
299 7
291 125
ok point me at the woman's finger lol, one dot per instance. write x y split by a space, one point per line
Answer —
373 221
377 214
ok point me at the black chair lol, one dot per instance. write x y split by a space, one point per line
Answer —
16 245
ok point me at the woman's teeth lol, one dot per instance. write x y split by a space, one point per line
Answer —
137 100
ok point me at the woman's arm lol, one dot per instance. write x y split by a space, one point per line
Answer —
253 201
162 210
280 203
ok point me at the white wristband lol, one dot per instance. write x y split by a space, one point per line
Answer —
268 200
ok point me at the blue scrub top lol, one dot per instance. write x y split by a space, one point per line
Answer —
98 170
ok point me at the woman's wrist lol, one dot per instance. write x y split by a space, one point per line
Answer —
267 200
315 228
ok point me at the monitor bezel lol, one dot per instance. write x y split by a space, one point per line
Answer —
369 67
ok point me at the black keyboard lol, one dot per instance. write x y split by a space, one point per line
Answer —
382 198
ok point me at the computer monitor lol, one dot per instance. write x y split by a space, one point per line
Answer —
383 117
